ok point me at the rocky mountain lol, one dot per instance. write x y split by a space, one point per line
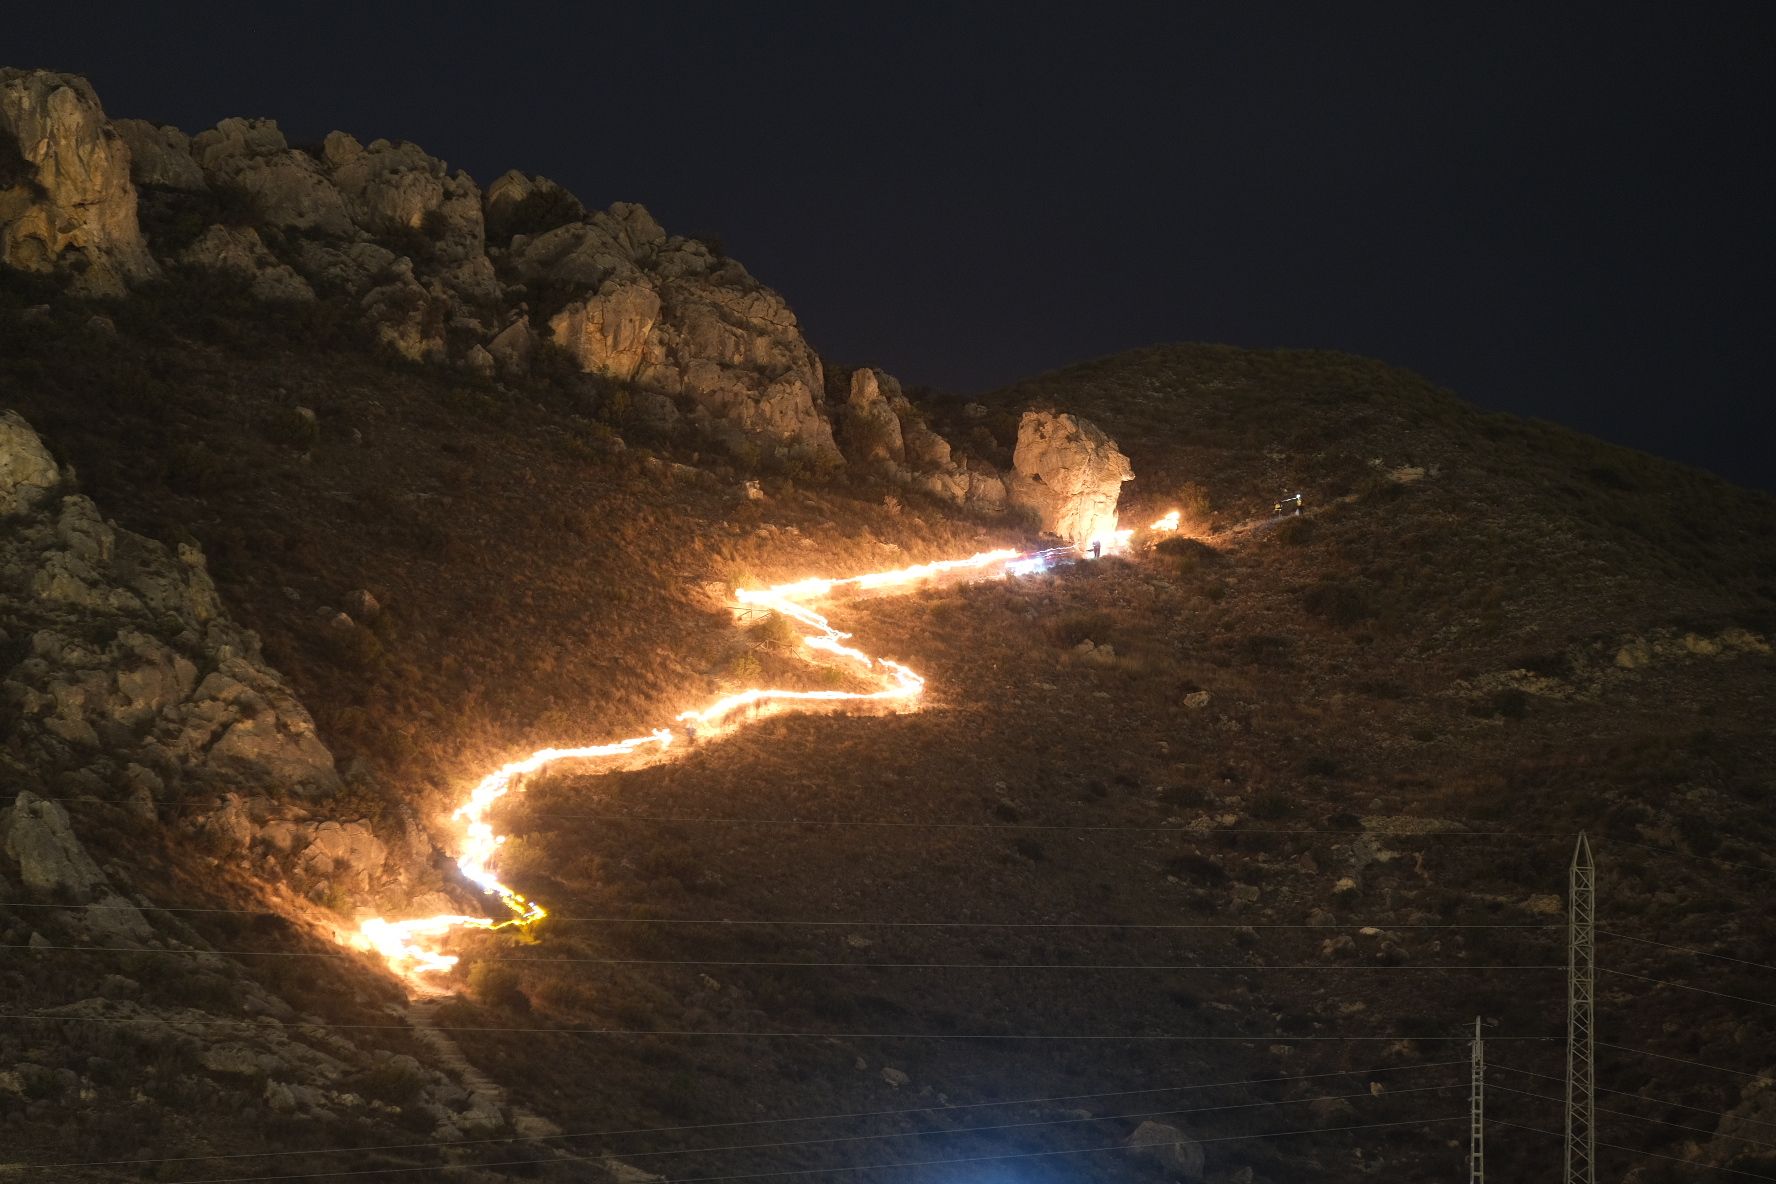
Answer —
130 695
441 272
330 481
66 201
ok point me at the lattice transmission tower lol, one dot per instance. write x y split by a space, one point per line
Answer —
1477 1109
1581 982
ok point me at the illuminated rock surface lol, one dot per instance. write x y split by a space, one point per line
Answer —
66 201
1069 474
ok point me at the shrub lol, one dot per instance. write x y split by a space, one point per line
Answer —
1296 531
395 1081
496 985
1185 545
195 468
776 630
1265 649
1504 703
1339 602
1069 629
1271 806
1196 869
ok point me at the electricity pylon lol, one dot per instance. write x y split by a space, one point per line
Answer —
1581 981
1477 1110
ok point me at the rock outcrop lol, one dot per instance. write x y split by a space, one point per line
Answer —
129 694
238 250
284 187
664 313
159 155
1169 1147
441 273
1069 474
882 430
126 675
67 204
28 474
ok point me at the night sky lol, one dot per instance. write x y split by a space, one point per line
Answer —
1562 211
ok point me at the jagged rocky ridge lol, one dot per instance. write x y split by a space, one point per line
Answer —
126 688
442 272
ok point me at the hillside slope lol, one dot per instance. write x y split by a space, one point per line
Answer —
1314 721
1236 833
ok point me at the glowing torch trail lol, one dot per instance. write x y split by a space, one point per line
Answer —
413 948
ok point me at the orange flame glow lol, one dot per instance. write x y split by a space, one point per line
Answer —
413 948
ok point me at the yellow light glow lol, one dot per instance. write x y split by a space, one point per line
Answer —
414 948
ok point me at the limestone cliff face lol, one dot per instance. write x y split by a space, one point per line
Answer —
134 710
664 313
126 679
443 273
1069 474
883 431
66 201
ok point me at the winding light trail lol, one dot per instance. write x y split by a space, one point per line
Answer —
414 947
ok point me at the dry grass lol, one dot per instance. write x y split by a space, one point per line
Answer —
539 587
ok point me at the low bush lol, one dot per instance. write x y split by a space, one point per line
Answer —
1069 629
1340 602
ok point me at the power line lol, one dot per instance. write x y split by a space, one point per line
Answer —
1751 867
1641 1118
828 1171
1687 987
571 1031
1647 941
835 1139
931 824
1181 925
938 824
1764 1077
1712 1113
1179 830
808 965
657 1130
1612 1146
921 824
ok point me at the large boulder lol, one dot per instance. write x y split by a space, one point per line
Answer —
391 188
67 204
871 429
159 155
578 253
50 859
1170 1148
738 352
285 187
517 204
1069 474
612 331
513 347
27 471
237 250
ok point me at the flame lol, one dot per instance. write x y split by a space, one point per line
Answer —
413 948
1169 522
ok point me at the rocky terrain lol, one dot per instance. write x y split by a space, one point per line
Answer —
439 271
330 480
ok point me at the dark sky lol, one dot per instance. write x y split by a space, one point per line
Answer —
1558 210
